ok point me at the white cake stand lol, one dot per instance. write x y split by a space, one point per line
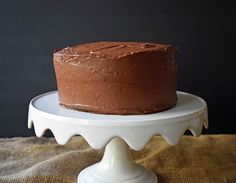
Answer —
115 132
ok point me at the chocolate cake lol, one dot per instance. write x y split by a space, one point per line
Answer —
116 77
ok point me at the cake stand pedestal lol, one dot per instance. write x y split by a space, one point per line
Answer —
117 132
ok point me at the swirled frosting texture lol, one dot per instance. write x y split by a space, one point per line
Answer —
116 77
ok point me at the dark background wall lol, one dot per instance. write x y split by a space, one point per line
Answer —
203 31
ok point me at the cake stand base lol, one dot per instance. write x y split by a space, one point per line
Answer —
116 167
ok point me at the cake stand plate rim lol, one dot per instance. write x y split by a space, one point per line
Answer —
135 130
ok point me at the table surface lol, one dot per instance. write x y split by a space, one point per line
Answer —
208 158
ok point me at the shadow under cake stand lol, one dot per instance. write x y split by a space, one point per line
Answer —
117 132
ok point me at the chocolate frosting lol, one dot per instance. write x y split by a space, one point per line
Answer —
117 77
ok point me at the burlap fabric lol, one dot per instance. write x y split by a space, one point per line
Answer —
208 158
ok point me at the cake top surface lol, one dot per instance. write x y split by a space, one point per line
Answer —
111 49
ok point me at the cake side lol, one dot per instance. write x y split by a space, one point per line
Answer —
108 79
